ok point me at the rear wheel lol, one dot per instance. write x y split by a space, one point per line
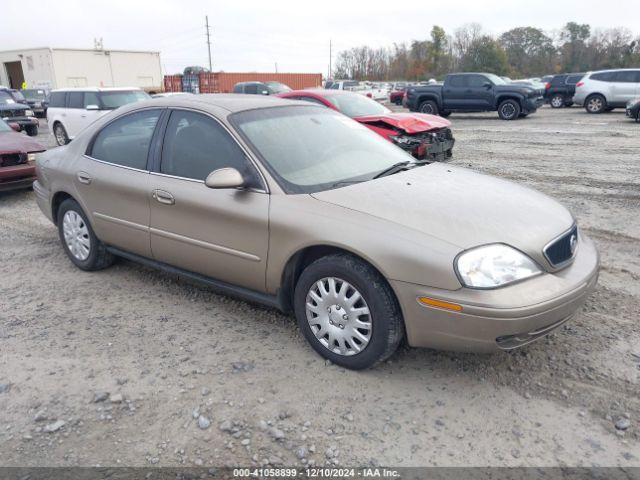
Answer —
557 101
347 311
509 110
61 134
78 239
595 104
429 106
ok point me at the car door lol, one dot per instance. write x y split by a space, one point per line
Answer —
220 233
74 112
623 87
113 181
454 92
479 93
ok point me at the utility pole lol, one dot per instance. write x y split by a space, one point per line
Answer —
208 40
329 59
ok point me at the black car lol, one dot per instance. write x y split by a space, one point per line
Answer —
561 88
474 92
12 111
633 109
36 99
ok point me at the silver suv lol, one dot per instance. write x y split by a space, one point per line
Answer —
607 89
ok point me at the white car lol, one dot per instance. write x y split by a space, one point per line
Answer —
607 89
70 110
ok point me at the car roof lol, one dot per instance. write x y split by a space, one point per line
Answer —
96 89
319 92
232 102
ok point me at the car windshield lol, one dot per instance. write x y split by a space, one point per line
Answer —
309 149
19 96
356 105
118 98
496 80
6 98
33 94
4 127
277 87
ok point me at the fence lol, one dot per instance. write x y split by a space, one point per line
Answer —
223 82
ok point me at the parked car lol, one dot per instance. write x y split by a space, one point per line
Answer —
260 88
396 95
324 219
474 92
18 113
341 84
72 109
607 89
169 94
426 137
560 90
633 109
17 158
35 98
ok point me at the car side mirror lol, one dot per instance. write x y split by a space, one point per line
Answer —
92 107
487 85
14 126
225 178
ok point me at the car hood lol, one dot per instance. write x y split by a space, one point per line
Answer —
408 122
459 206
13 106
11 142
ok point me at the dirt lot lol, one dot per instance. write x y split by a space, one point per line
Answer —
133 367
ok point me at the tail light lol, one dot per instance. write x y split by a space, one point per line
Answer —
547 86
579 84
369 95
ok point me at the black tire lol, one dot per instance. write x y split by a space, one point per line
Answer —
609 109
444 114
557 101
60 134
428 106
509 110
595 104
32 130
98 258
569 104
387 327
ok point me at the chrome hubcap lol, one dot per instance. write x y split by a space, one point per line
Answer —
60 135
339 316
76 235
595 104
556 101
427 108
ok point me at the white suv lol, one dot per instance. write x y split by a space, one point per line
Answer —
607 89
70 110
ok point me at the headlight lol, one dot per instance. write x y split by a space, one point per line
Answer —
28 113
494 266
31 157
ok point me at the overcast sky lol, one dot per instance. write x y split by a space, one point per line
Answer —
250 35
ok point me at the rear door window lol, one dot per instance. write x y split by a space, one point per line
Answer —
251 88
603 76
126 141
56 99
458 81
76 100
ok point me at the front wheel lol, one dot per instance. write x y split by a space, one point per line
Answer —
509 110
32 130
61 134
429 106
78 239
445 114
347 311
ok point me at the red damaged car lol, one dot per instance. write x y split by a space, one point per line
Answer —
426 137
17 158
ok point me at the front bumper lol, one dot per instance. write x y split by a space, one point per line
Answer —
435 146
499 319
23 121
533 103
17 176
43 199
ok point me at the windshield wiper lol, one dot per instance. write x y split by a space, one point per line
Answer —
395 168
345 182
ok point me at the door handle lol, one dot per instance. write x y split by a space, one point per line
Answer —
163 197
84 177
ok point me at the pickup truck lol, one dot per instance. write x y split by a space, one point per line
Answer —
474 92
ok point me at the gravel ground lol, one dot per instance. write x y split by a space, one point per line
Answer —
130 366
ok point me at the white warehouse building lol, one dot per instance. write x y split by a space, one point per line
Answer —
71 67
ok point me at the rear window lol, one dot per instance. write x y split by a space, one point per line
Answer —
602 76
117 98
33 94
573 79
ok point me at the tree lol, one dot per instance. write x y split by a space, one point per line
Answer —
485 54
529 51
573 48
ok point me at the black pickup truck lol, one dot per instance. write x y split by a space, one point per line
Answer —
475 92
